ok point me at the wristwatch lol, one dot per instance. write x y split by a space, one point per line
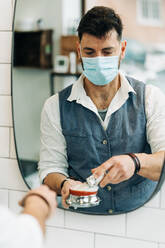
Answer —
62 184
136 162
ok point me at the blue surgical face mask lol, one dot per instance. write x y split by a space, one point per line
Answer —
101 70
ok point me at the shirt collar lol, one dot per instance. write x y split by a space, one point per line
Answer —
78 92
125 85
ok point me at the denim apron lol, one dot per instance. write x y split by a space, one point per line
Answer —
86 147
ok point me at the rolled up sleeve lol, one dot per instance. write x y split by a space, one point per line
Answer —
155 113
53 155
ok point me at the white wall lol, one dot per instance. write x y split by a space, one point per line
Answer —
70 14
144 228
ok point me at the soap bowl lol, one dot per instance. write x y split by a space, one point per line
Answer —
83 196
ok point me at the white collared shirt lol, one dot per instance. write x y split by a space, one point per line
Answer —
53 155
19 231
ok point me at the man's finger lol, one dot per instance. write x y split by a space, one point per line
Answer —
102 169
114 179
65 205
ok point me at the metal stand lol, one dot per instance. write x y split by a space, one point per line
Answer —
57 74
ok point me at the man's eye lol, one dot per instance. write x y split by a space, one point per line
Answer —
108 53
89 53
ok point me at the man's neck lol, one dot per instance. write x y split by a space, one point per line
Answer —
102 95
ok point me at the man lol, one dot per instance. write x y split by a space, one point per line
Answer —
105 123
27 229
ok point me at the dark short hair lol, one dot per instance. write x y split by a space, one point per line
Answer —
98 21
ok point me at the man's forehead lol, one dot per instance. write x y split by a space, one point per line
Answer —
111 36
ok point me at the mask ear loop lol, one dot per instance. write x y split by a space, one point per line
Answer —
81 58
119 62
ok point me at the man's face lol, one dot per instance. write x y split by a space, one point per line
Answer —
91 46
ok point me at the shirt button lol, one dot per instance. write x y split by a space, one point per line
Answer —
110 211
104 142
108 188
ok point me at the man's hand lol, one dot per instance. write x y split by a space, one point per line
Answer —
36 196
65 191
40 203
116 169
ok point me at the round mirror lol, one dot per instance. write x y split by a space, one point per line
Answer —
75 133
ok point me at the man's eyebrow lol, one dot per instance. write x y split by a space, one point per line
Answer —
108 48
104 49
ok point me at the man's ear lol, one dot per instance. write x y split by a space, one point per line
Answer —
78 50
123 49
